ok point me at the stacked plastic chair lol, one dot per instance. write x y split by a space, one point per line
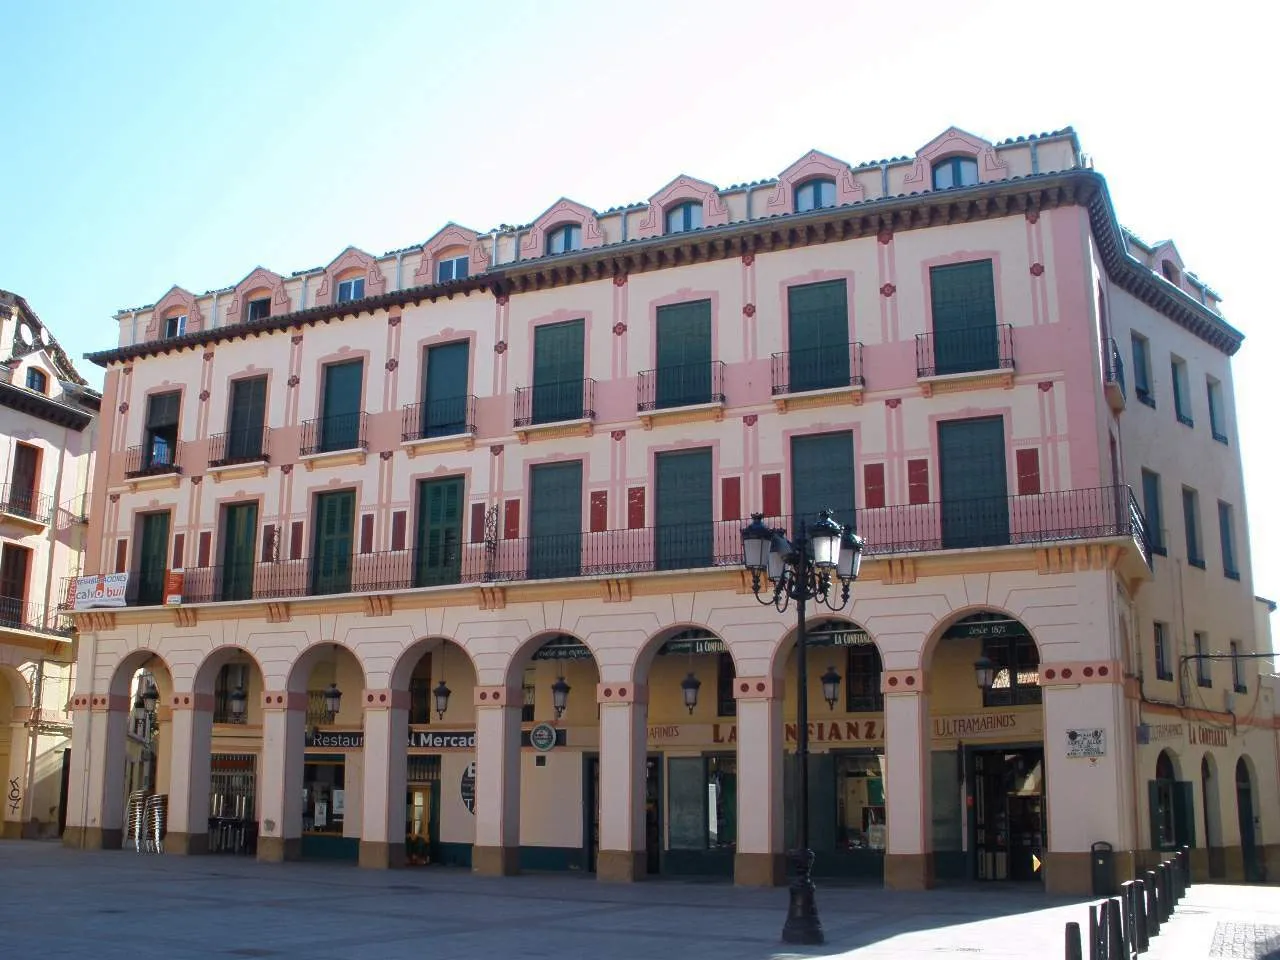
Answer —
157 821
136 819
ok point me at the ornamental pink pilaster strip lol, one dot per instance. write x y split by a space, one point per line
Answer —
756 688
385 699
624 692
902 681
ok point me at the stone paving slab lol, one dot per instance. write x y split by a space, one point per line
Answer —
108 905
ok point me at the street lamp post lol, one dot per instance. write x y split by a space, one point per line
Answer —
144 712
801 570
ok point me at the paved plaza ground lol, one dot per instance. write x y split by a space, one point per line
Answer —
108 905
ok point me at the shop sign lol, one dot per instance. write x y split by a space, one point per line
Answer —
335 739
467 787
106 590
692 646
1086 742
821 731
1207 736
986 629
563 648
543 737
1159 732
173 583
982 725
842 636
442 739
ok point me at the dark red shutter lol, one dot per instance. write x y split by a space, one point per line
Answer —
269 543
873 483
599 510
917 481
179 550
399 522
122 556
477 523
635 508
295 540
366 533
771 494
1028 463
730 498
511 520
206 547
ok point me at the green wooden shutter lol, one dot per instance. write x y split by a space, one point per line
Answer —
822 802
683 509
153 557
817 336
444 407
1153 812
343 390
439 544
822 477
333 542
555 520
683 374
239 533
1184 813
964 317
973 483
248 414
558 371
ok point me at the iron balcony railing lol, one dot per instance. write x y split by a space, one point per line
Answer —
345 431
1113 365
159 456
451 417
555 402
240 446
18 500
969 350
19 614
682 385
819 368
1055 516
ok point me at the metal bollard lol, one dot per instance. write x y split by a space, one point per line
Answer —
1074 949
1141 941
1131 892
1153 904
1094 928
1115 932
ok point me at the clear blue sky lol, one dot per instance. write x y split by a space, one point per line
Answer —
152 143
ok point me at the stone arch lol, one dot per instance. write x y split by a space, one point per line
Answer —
19 692
715 212
1168 766
349 261
963 613
649 650
449 236
525 652
207 670
176 299
259 278
782 652
122 672
563 211
950 143
307 660
1211 800
814 165
408 659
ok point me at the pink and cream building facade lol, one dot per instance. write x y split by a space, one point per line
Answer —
435 556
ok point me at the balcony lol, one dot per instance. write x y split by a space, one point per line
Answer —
239 453
22 615
335 441
1113 375
439 426
24 506
155 464
966 359
562 409
818 377
681 394
1065 518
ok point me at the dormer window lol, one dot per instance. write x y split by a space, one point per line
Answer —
565 239
258 310
455 268
955 172
37 380
684 217
815 195
1171 272
351 289
175 326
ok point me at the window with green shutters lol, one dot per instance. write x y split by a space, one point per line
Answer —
558 371
153 557
965 337
333 541
341 414
246 419
974 483
444 401
822 477
555 520
683 375
239 535
439 543
684 512
1154 514
817 336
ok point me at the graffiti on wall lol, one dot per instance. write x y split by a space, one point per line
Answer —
15 797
